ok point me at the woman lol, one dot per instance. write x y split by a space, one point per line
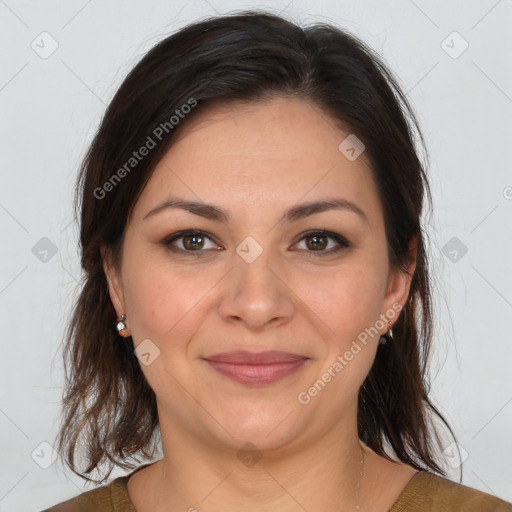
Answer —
257 292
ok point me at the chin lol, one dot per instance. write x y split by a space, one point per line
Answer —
266 427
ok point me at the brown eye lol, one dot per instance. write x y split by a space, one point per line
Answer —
316 243
191 242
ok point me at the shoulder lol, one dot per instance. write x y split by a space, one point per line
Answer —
108 498
428 492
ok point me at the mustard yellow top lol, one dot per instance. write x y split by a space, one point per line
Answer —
425 492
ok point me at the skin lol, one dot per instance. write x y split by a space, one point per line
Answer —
255 161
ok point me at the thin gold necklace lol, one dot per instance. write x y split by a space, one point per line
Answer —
361 473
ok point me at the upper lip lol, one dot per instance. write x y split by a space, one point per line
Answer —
245 357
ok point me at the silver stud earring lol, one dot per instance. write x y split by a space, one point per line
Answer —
122 328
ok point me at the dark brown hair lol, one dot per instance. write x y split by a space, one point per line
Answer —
110 413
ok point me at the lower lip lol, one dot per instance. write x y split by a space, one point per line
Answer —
257 374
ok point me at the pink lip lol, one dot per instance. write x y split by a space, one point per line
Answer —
245 357
256 368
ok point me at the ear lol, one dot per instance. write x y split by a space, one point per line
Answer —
399 281
115 287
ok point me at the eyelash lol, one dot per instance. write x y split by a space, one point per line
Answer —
342 243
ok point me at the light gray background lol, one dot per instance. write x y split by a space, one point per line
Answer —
51 107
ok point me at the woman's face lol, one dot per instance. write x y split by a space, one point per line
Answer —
257 278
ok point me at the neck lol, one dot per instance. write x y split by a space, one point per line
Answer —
199 476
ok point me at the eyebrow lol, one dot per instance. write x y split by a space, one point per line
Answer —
295 213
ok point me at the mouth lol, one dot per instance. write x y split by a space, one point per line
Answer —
256 368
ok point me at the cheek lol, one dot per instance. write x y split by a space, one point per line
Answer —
347 301
163 301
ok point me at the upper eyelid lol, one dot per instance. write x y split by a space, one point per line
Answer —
179 234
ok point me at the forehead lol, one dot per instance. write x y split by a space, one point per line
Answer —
283 127
266 155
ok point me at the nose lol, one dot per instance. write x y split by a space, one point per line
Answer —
257 293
